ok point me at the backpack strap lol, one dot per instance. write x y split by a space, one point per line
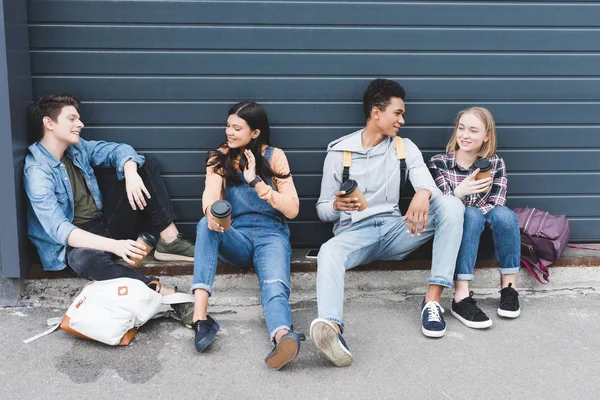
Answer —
401 154
347 165
575 246
533 269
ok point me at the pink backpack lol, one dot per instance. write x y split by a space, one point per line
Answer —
543 239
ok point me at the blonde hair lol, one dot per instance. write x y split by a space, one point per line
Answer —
488 148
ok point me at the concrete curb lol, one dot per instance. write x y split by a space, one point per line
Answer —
242 289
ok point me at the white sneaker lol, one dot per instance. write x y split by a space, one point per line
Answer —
326 338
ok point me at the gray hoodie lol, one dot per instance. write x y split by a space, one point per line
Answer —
377 171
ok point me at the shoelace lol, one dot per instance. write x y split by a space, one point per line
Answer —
434 311
471 304
508 295
180 236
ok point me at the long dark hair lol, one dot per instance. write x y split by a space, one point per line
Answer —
224 163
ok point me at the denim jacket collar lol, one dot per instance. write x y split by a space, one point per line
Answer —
40 153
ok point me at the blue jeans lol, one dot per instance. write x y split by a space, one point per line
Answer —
507 241
384 237
253 240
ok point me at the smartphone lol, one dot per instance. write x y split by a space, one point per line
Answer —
312 254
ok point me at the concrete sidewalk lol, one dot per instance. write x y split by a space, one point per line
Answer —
550 352
242 289
577 269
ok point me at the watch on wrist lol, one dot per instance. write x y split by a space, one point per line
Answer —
254 181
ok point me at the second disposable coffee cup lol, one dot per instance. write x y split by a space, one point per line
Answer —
485 169
149 242
221 212
352 190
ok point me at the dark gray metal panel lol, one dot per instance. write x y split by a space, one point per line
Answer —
15 95
191 209
521 184
308 234
320 13
324 88
286 63
332 113
317 137
162 74
311 38
311 161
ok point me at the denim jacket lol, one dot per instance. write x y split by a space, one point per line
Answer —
50 208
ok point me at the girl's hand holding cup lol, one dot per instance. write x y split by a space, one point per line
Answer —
213 225
219 216
471 185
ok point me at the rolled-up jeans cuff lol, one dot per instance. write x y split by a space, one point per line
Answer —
337 321
464 277
201 286
279 328
509 271
440 282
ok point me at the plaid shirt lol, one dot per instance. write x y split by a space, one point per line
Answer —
448 174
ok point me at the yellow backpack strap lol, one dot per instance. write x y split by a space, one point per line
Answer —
400 148
347 165
401 154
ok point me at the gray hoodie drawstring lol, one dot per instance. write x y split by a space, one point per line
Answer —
386 170
367 175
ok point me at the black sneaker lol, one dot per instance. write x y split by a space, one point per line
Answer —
206 330
467 312
286 350
509 303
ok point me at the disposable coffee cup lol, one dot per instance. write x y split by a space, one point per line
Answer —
485 169
352 190
149 241
221 212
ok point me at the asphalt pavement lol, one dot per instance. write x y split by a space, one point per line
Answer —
550 352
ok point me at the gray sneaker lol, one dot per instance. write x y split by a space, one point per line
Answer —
184 313
179 249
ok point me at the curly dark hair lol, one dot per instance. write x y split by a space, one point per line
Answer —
224 163
47 106
379 94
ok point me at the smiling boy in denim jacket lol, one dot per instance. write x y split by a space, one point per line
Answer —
68 221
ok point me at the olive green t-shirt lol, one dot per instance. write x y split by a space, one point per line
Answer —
85 207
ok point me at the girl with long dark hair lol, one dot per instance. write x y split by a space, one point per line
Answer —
255 179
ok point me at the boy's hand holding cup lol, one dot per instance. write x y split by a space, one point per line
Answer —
148 241
350 198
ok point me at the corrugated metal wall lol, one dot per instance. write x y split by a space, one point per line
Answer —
161 75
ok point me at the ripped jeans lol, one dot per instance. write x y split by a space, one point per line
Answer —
254 240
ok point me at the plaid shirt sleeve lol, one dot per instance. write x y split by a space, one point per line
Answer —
497 194
439 170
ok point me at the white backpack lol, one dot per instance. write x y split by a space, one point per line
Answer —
111 311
